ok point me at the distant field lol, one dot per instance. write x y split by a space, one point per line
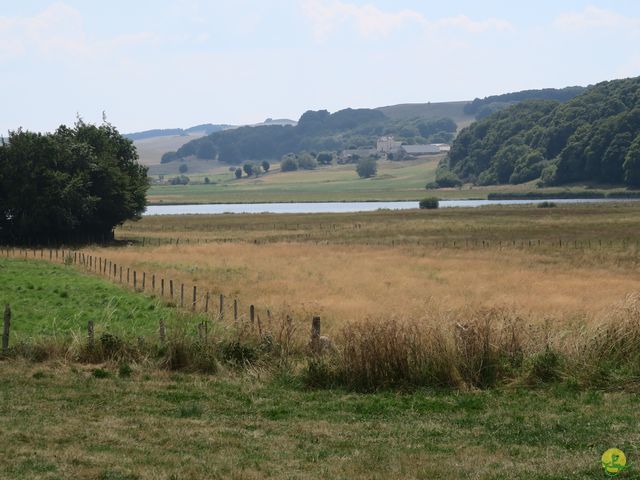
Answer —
395 181
150 150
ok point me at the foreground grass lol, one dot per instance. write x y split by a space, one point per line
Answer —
60 421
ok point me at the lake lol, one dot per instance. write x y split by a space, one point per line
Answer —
343 207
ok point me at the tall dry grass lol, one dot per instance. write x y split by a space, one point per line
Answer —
347 282
484 348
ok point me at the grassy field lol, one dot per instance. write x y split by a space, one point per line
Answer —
510 360
60 421
350 266
404 180
56 300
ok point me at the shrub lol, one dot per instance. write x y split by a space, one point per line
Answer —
238 353
429 203
288 164
183 168
544 366
207 181
546 205
445 178
238 172
100 373
367 167
124 370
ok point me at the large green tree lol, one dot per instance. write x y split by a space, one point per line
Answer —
75 184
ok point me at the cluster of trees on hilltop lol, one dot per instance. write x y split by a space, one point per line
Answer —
483 107
594 137
315 131
75 184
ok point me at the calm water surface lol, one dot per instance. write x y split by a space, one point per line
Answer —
343 207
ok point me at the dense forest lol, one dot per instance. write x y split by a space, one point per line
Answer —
483 107
316 131
595 137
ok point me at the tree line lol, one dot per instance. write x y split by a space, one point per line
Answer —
595 137
316 131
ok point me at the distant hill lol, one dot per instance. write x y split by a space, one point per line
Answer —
483 107
315 131
206 129
594 137
430 111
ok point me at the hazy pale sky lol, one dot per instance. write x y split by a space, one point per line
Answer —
162 63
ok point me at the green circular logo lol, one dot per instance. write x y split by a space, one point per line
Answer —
614 461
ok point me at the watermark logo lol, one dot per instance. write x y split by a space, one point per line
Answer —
614 462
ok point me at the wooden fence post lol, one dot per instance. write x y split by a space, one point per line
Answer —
90 333
5 328
128 275
315 334
235 309
135 280
144 279
252 314
221 307
206 303
162 287
193 304
182 294
153 283
162 332
120 273
171 289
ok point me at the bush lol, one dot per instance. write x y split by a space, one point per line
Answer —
445 178
544 366
183 168
238 172
288 164
124 371
367 167
546 205
429 203
207 181
265 166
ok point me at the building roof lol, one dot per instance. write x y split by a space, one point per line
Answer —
418 149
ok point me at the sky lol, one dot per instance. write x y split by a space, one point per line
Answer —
166 64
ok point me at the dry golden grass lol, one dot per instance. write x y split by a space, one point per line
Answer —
347 282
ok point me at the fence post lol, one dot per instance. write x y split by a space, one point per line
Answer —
162 287
193 304
252 314
171 289
206 303
153 282
315 334
162 332
90 333
6 327
144 279
221 307
135 280
235 309
128 275
182 294
120 273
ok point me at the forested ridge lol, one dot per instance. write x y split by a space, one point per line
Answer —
594 137
316 131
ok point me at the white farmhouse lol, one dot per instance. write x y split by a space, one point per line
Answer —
388 145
